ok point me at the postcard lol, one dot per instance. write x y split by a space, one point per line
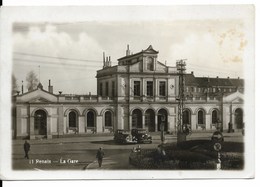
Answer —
127 92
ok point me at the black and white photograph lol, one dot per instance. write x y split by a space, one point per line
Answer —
128 92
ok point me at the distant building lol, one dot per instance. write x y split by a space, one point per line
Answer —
133 94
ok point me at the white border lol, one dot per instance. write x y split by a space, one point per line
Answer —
9 15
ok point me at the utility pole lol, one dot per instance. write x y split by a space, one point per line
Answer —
181 67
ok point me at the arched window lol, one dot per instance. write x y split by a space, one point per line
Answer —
90 119
108 119
137 119
72 119
200 117
214 116
186 117
163 119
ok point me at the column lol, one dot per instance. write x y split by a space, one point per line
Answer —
99 124
143 120
49 135
143 90
193 122
81 125
60 121
225 116
18 124
154 89
156 123
130 122
207 121
171 123
32 135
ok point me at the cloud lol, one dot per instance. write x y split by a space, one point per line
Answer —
50 42
208 55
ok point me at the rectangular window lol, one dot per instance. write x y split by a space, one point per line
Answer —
113 89
137 86
101 89
162 89
149 91
106 88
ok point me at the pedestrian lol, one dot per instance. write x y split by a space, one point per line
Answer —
26 147
100 156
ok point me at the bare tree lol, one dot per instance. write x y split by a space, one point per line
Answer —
14 85
32 81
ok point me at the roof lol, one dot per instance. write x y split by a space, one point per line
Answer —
191 80
237 82
149 50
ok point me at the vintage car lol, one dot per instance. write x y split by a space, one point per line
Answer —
124 137
141 136
217 136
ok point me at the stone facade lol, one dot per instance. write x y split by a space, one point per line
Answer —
136 93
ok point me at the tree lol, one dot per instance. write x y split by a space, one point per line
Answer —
32 81
14 85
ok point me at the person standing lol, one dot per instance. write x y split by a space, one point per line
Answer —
26 147
100 156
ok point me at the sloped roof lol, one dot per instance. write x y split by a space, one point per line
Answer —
149 50
237 82
190 80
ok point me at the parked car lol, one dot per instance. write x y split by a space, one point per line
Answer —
217 136
124 137
141 136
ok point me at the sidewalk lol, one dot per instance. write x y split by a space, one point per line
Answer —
106 164
118 161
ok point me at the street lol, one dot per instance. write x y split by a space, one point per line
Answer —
79 153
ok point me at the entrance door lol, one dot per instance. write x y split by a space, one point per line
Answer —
40 123
137 119
239 118
162 114
186 117
150 120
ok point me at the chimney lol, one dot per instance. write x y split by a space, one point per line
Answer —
228 77
109 61
60 92
50 88
217 77
127 51
104 60
192 72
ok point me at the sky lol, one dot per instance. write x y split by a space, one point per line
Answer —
70 52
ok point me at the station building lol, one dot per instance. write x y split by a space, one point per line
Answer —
133 94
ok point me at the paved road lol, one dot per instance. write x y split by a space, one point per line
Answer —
78 153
